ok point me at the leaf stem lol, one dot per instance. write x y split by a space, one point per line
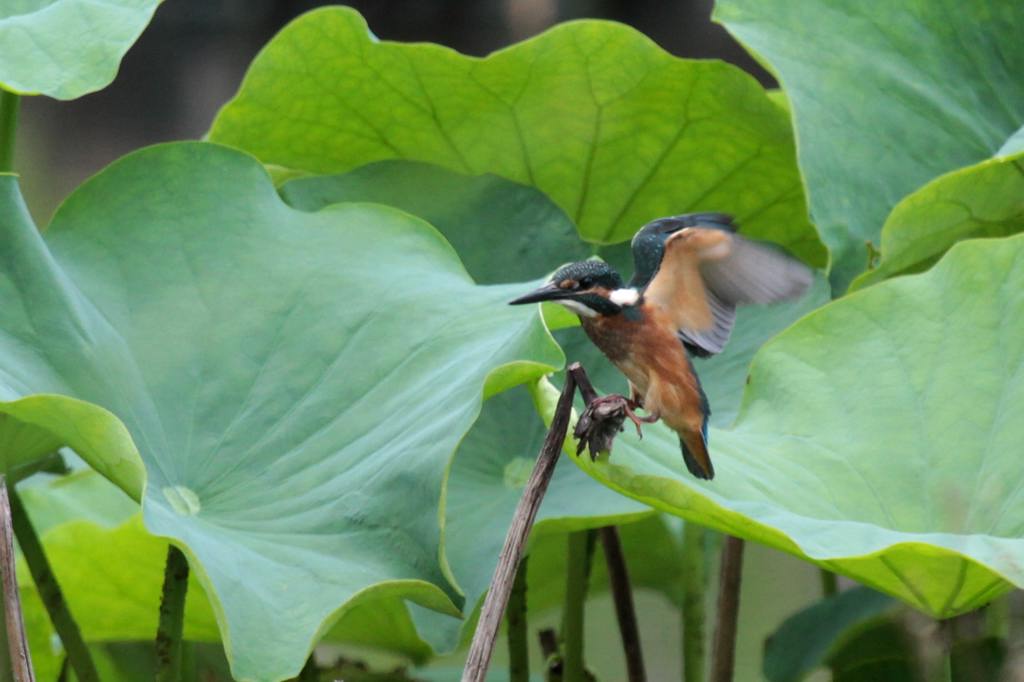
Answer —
723 652
944 664
21 660
625 611
581 547
829 582
829 588
9 103
172 617
694 595
78 654
518 650
997 618
482 647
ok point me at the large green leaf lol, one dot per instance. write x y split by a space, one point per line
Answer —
502 231
876 438
67 48
612 128
111 569
984 200
885 97
296 382
724 376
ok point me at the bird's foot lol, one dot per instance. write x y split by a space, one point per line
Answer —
599 423
602 420
638 420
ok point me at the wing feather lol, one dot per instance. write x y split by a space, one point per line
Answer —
705 273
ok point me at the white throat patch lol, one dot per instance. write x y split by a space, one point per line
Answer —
578 308
624 297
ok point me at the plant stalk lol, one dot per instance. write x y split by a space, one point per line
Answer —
9 103
21 660
518 649
829 582
548 640
172 617
944 662
581 546
5 654
625 611
723 652
694 595
78 654
482 647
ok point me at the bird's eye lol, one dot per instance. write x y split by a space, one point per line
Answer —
586 283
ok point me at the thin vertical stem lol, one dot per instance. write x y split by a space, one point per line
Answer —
694 599
482 647
829 588
21 660
944 664
829 582
9 103
50 593
723 653
518 649
997 618
5 654
172 617
581 545
622 594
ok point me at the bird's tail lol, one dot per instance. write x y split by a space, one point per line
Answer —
695 454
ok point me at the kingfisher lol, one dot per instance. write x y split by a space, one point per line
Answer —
690 273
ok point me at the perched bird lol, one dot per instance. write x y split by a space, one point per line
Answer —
691 271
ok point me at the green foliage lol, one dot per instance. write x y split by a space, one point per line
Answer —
502 231
108 566
592 113
810 637
930 502
232 382
885 97
984 200
67 48
303 377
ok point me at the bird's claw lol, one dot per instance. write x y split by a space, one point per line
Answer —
603 419
599 423
637 421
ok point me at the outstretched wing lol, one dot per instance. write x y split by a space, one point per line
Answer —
648 243
705 272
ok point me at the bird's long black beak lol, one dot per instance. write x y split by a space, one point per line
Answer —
548 292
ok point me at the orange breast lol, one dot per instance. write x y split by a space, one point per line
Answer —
651 356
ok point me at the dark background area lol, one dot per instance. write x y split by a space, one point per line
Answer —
191 59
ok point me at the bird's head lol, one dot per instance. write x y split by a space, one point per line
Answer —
589 288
